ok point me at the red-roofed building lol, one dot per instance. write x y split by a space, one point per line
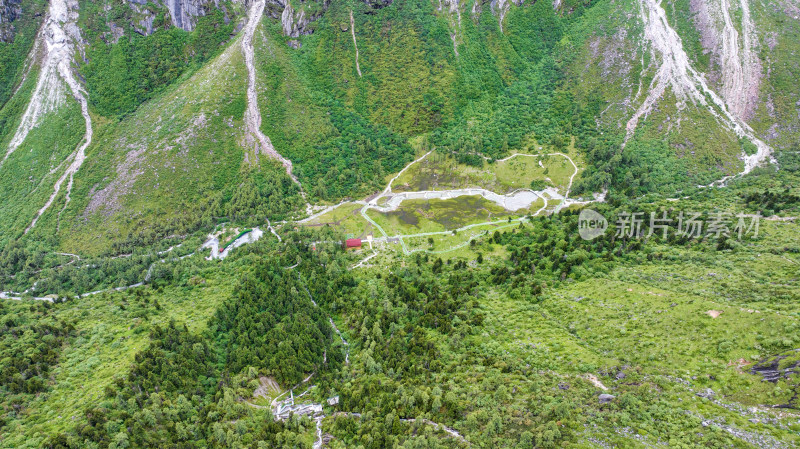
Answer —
352 243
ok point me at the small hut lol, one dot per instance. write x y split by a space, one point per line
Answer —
352 243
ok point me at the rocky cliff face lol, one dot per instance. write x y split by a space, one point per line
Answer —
9 12
296 18
183 13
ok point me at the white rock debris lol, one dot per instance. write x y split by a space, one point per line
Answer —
741 68
676 72
61 37
58 35
454 19
252 115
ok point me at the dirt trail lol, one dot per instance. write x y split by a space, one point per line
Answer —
388 188
676 72
252 115
324 210
437 426
60 47
355 44
363 261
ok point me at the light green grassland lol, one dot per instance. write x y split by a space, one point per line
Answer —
345 219
452 246
759 275
442 172
649 320
338 214
665 332
424 216
418 216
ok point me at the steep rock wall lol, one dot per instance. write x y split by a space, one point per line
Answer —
183 13
296 18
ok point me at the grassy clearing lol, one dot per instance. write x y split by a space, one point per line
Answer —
524 172
345 219
528 170
454 245
533 335
336 215
664 332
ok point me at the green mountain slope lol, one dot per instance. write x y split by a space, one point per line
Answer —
468 78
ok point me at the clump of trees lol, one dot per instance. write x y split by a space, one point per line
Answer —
772 202
186 389
272 323
30 345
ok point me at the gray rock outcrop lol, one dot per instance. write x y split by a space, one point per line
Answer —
378 4
605 398
296 18
183 13
10 10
